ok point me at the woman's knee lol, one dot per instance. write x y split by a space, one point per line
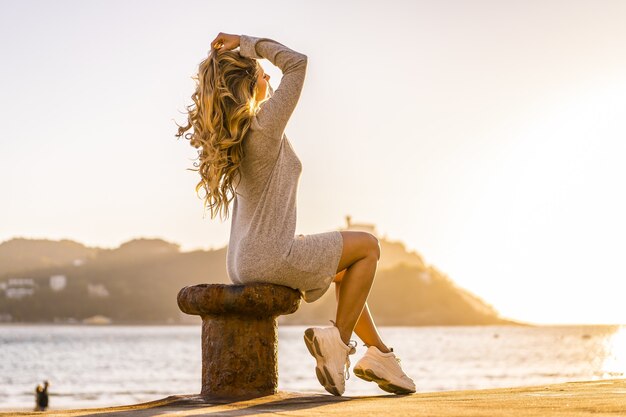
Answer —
375 245
372 245
356 246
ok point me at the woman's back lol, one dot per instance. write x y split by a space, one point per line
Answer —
263 246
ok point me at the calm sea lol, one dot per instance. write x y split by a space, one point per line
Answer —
114 365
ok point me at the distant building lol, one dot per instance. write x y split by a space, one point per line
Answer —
363 227
21 282
425 276
99 320
58 282
66 320
19 292
97 290
19 287
78 262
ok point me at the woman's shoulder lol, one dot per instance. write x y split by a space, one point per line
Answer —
259 144
259 128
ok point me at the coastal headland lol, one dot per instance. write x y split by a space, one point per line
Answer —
583 398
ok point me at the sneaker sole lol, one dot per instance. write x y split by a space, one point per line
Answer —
321 371
386 385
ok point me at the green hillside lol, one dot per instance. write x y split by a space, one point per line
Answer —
138 283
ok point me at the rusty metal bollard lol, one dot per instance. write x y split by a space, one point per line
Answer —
239 335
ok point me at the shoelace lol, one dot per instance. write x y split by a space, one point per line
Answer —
352 346
394 355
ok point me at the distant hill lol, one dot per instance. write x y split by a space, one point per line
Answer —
408 293
20 254
65 281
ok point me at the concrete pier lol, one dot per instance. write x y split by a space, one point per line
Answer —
577 399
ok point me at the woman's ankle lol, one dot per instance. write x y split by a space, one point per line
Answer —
343 334
381 346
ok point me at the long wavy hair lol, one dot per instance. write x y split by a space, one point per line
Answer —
220 116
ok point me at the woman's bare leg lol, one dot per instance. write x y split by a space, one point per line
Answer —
359 259
365 327
354 279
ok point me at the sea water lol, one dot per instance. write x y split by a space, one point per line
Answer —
91 366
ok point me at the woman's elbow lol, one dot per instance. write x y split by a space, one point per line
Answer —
303 59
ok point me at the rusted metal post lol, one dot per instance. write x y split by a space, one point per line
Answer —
239 335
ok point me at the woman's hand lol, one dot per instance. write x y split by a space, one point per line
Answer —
225 41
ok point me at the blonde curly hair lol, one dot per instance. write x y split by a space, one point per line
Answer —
223 106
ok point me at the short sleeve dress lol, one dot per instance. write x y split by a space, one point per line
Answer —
263 246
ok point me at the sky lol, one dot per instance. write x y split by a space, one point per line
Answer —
489 136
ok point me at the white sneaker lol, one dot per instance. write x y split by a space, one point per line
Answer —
331 354
384 369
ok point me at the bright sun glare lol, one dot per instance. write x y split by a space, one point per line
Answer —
615 362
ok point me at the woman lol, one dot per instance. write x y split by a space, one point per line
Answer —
238 125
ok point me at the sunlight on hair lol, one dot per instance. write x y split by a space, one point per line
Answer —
615 362
252 105
217 122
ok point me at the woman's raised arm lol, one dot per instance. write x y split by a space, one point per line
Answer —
275 113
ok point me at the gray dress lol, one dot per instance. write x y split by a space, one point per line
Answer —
263 246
